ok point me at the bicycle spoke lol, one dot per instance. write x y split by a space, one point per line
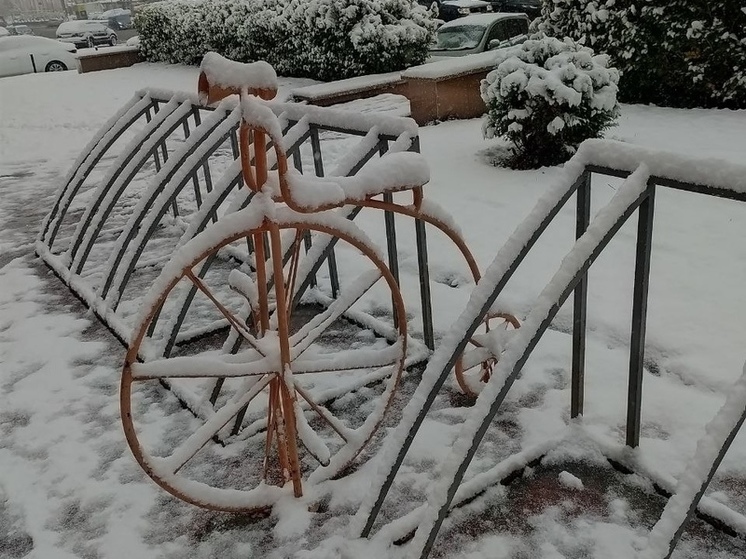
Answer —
314 329
349 361
335 423
201 367
235 322
475 357
210 428
311 441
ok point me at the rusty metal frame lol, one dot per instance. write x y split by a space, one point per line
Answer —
69 257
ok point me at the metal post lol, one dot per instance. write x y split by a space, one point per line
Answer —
318 165
33 62
639 315
424 272
580 304
390 226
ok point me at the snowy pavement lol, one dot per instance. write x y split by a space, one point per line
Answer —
70 488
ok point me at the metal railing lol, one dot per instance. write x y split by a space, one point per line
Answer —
596 157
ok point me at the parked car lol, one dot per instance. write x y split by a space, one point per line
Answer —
532 8
19 55
20 30
479 33
117 18
86 33
449 10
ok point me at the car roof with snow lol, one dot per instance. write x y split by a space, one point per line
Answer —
78 24
26 41
482 20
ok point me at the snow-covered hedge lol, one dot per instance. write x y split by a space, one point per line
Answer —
323 39
545 97
677 53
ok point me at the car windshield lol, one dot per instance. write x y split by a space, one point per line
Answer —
459 37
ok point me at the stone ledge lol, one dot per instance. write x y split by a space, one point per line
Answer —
436 91
108 58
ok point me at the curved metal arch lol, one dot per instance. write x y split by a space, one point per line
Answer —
123 171
166 186
109 133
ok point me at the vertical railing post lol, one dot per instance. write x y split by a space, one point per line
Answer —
580 304
639 315
426 302
318 165
390 226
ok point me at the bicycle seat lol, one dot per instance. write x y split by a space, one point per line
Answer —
220 77
393 172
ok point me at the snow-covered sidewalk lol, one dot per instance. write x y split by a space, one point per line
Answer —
70 488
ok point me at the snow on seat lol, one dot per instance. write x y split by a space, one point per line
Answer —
393 172
220 77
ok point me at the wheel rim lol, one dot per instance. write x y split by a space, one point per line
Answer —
474 367
91 42
56 67
113 41
317 398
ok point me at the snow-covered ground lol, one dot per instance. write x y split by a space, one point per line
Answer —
70 488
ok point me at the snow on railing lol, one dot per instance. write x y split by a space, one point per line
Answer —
645 170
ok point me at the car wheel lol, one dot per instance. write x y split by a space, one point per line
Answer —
91 42
55 66
113 40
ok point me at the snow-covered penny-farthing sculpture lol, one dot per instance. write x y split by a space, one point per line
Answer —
300 404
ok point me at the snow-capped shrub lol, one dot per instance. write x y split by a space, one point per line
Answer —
545 97
323 39
670 52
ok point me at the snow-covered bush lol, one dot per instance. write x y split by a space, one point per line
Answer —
670 52
545 97
323 39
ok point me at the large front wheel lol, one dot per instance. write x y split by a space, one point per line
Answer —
281 394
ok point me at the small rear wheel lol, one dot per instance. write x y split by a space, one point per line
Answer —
113 40
55 66
474 367
275 424
91 42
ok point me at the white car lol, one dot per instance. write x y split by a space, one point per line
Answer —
26 54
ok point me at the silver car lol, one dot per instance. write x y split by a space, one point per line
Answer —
479 33
86 33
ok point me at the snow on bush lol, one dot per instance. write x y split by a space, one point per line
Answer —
322 39
670 52
545 97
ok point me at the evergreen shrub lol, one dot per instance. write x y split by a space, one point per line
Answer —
545 97
322 39
677 53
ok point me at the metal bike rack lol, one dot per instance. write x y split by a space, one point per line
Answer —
603 158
